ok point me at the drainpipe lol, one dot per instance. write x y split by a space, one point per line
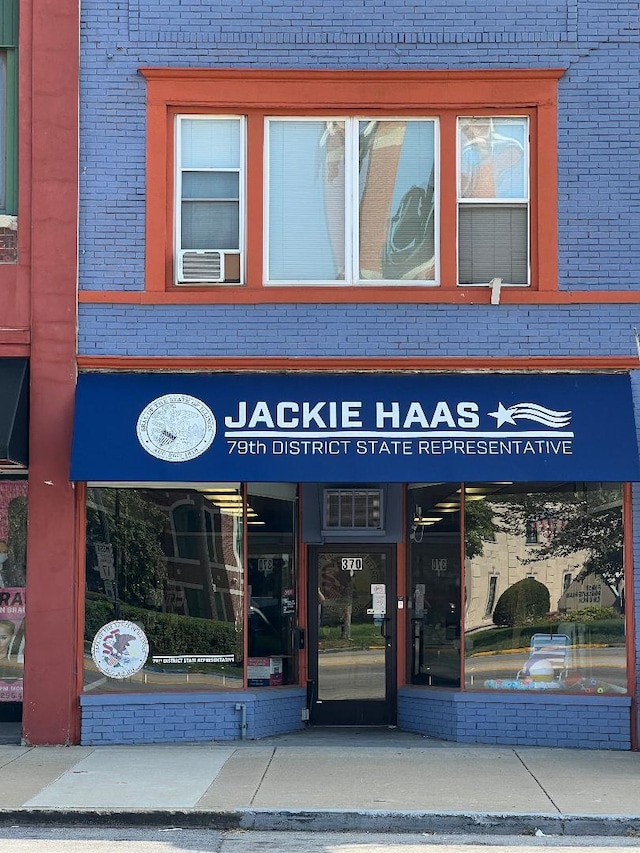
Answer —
240 706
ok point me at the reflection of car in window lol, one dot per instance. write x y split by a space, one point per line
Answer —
264 615
265 636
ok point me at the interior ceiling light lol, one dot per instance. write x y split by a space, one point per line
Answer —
230 503
429 519
448 504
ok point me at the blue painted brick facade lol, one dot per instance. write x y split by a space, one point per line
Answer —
190 717
517 719
351 330
596 41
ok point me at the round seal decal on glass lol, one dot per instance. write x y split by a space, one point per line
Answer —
120 649
176 427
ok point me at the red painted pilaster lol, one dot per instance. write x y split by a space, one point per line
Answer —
50 711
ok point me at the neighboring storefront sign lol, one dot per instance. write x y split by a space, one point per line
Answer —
120 649
400 428
12 613
590 591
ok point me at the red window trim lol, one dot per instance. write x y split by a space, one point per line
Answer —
254 93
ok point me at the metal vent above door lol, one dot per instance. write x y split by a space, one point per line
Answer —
352 509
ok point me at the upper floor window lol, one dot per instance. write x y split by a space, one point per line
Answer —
210 211
8 107
410 183
493 200
351 200
3 124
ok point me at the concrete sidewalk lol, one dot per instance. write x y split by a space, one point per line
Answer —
322 779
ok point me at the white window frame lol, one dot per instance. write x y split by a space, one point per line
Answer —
524 202
352 243
179 170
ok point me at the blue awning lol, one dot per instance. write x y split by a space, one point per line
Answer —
354 428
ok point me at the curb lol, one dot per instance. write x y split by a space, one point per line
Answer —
222 820
478 823
335 820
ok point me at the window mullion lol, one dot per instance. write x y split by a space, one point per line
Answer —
351 243
448 202
253 187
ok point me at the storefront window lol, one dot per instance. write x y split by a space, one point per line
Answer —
170 561
273 595
13 559
557 617
433 514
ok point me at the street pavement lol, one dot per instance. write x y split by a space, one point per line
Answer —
357 780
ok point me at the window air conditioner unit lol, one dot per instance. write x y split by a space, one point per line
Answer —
200 265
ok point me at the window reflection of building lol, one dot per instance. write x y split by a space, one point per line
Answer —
204 568
171 560
577 562
562 598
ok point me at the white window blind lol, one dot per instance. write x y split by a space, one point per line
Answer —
351 201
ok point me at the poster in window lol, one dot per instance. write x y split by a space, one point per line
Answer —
12 612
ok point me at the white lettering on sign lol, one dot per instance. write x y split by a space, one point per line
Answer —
415 415
187 659
396 428
292 415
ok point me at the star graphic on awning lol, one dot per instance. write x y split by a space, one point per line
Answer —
503 416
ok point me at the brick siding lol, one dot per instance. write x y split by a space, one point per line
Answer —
191 717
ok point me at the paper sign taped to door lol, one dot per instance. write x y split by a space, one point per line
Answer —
379 603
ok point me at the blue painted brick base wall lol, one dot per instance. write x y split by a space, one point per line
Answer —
584 722
173 717
553 721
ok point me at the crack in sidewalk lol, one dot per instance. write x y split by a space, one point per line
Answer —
537 781
266 770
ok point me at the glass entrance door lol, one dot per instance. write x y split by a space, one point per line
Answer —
352 635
